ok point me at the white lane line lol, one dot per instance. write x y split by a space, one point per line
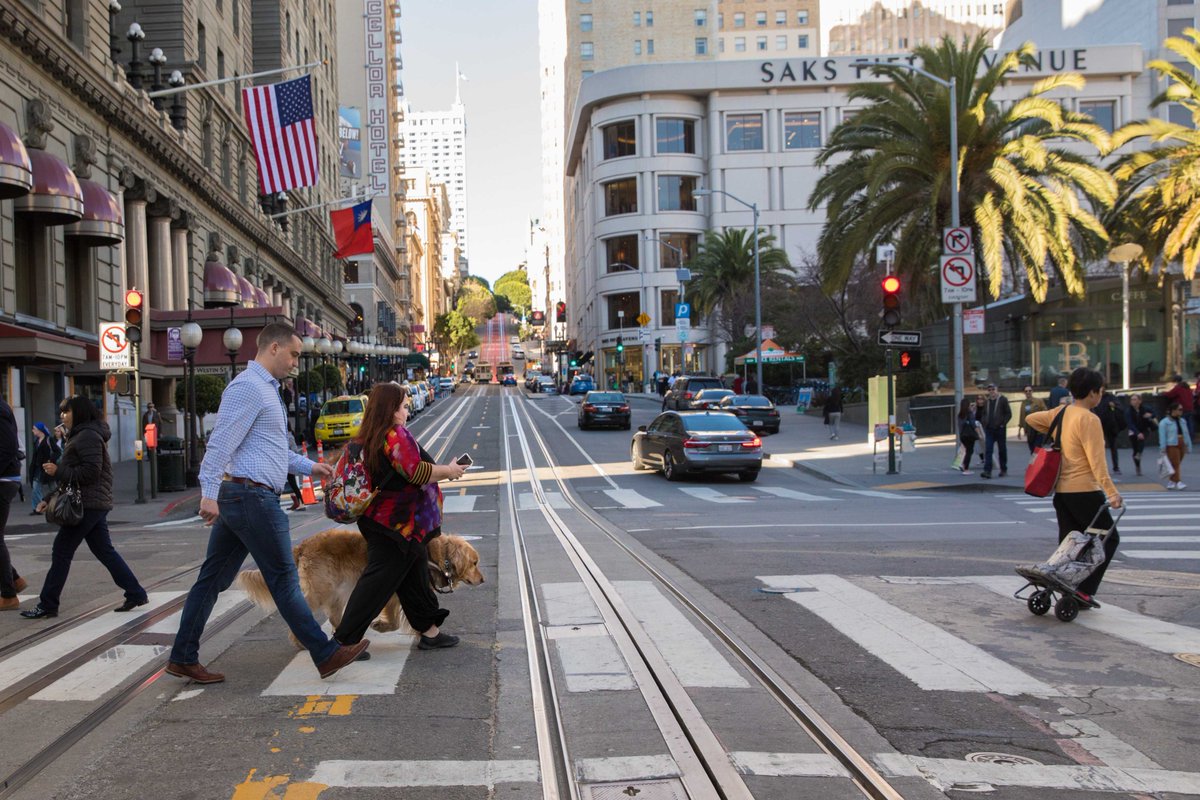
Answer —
1165 555
1127 540
225 601
884 495
527 501
926 654
791 494
1141 629
628 498
1153 528
778 765
615 769
176 523
711 495
727 527
693 659
946 773
402 774
459 503
1103 744
103 673
380 675
18 667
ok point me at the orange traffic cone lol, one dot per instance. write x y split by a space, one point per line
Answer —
307 495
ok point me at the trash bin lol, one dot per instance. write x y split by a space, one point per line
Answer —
170 464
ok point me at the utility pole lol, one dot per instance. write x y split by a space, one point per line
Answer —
138 446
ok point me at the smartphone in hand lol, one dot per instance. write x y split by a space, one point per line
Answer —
465 459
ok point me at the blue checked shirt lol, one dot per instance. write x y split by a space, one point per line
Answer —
251 437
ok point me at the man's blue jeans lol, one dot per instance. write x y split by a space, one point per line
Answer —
251 522
995 436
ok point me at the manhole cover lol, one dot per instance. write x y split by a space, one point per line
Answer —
1000 758
1189 658
670 789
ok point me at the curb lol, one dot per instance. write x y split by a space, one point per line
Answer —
815 471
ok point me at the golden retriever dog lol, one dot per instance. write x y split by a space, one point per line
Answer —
331 562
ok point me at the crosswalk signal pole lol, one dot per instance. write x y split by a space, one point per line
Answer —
891 414
139 449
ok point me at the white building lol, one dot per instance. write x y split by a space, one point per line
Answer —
643 138
437 141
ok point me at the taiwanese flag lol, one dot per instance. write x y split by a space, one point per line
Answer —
352 230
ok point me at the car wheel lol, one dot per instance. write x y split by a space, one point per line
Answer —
670 470
638 464
750 476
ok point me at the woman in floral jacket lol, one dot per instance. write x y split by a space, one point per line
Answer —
406 512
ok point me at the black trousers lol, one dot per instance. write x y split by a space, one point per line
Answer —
8 574
395 565
93 529
968 448
1075 511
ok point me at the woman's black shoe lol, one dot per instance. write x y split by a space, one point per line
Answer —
437 642
37 612
130 605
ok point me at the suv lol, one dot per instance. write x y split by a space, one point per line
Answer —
679 397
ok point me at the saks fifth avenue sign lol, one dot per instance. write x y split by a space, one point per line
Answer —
1086 60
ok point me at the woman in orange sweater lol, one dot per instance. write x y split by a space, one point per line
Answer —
1083 484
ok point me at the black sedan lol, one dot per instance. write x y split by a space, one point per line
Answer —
679 442
604 408
710 398
756 411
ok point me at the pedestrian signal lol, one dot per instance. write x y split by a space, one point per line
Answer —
910 360
891 301
134 301
560 312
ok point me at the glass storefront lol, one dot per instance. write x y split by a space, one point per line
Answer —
684 358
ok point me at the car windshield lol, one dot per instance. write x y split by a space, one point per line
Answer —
606 397
754 400
335 407
712 422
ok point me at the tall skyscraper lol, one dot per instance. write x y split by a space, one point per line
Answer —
437 142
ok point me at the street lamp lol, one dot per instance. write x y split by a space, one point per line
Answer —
190 334
157 59
135 35
1123 254
232 339
324 347
757 281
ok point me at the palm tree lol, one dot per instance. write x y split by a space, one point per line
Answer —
724 285
1158 205
888 178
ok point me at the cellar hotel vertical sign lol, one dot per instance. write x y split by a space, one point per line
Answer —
377 102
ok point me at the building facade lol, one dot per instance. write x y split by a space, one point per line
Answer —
427 207
437 142
107 191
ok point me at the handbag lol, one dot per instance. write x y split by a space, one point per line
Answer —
1042 473
65 507
1165 468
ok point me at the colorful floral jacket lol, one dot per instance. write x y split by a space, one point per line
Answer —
409 503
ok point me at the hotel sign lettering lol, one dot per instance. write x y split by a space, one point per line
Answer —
837 70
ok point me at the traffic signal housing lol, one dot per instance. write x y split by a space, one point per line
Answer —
134 313
909 360
891 301
560 312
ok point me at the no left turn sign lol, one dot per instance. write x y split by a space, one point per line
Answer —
958 279
956 241
114 346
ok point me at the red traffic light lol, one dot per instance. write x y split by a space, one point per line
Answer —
891 284
133 298
905 359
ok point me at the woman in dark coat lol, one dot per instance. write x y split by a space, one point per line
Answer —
46 451
85 463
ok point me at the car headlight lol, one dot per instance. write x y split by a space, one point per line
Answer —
356 421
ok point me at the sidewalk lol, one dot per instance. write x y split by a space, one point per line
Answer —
803 443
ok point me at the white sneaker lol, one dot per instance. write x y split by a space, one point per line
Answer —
1181 485
1171 485
966 472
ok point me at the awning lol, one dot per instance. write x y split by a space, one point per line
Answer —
56 198
772 353
16 172
103 223
246 292
261 300
220 285
305 327
32 345
418 360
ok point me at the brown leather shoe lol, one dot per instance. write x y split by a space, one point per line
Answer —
20 584
196 673
344 655
9 603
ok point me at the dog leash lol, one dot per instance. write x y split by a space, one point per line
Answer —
444 569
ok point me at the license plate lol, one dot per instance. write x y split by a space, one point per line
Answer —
339 431
605 409
756 422
725 448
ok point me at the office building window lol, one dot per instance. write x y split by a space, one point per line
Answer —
781 42
201 45
674 135
739 44
739 20
1176 27
760 43
760 19
675 192
701 17
620 139
649 47
721 44
1104 112
236 5
630 303
743 132
587 51
621 253
701 46
637 19
1180 2
802 41
620 197
781 18
585 22
801 130
801 17
220 63
637 47
649 19
721 21
585 73
684 244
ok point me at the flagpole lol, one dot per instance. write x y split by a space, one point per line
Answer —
220 81
352 199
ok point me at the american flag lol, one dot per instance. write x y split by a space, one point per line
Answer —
280 119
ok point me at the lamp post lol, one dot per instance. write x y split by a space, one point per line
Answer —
232 339
191 335
1123 254
157 59
338 346
757 281
307 343
324 347
114 50
135 35
178 111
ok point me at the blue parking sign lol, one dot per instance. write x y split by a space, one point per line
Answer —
683 311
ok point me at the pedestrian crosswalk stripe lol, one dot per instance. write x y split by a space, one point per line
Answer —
792 494
226 600
105 672
1174 555
929 656
380 675
885 495
1127 540
402 774
586 651
711 495
459 503
631 499
1103 744
527 501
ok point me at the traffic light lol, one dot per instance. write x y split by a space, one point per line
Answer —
134 306
620 345
560 312
575 358
657 343
910 360
891 301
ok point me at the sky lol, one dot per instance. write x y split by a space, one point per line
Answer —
496 45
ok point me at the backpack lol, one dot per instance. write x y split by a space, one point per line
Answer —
349 493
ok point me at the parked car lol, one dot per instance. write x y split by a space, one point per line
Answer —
677 443
508 380
447 385
416 399
685 389
710 398
545 385
603 408
340 419
582 384
755 411
430 394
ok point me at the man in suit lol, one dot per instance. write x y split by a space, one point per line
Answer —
996 415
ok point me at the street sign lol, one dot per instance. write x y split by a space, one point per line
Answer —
683 334
683 311
958 279
893 338
174 344
643 335
643 318
115 352
956 241
972 320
